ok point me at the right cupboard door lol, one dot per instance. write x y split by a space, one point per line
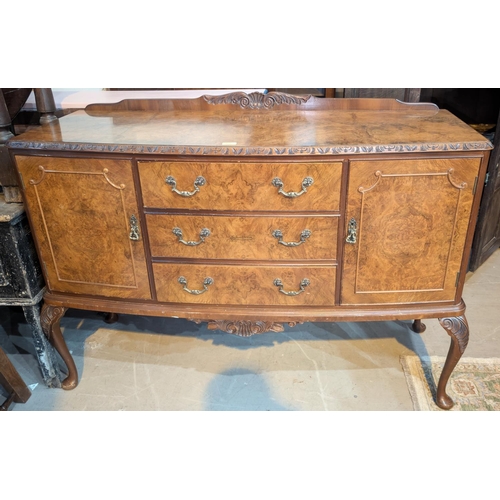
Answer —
406 228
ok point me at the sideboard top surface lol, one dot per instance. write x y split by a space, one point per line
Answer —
226 128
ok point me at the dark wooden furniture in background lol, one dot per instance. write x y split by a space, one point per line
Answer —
11 381
406 95
21 282
480 108
8 178
248 211
11 102
487 235
321 92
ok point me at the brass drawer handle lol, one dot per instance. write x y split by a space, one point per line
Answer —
134 228
352 231
200 181
305 282
277 182
303 237
204 233
206 283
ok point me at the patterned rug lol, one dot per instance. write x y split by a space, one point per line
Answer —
474 385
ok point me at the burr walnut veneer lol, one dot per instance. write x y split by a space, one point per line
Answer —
248 211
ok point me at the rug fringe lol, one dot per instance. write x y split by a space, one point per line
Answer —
411 365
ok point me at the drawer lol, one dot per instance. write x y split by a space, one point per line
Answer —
241 186
251 237
245 285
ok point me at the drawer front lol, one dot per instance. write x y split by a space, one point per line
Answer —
258 238
245 285
241 186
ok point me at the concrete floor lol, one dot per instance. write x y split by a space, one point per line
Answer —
143 363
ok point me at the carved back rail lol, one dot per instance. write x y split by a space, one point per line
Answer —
257 100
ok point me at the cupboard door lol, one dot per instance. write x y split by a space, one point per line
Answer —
406 228
82 212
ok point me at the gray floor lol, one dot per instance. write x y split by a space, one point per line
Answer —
143 363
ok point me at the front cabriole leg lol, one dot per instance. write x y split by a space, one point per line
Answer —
458 329
50 319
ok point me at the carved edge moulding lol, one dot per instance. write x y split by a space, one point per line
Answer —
249 151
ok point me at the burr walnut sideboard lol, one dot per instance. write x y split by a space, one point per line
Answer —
253 210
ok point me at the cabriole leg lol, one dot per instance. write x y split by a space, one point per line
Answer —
110 318
458 329
418 326
50 319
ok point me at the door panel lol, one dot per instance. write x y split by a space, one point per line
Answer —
81 210
411 220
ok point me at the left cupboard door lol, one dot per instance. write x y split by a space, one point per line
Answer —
86 224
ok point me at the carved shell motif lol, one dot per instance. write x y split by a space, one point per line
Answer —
256 100
246 328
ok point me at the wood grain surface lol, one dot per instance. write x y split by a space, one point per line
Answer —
245 285
412 219
241 186
80 209
243 237
318 127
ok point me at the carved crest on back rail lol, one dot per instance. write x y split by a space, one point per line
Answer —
256 100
